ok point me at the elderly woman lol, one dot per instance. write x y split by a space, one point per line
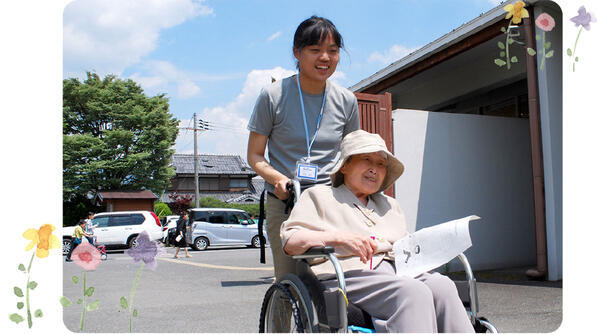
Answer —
362 223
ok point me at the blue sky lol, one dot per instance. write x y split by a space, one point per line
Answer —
212 57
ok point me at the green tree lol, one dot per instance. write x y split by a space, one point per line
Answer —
114 138
162 209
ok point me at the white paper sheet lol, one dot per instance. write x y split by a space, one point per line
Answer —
432 247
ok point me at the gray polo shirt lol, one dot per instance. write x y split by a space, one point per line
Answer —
278 115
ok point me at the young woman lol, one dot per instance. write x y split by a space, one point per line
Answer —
302 119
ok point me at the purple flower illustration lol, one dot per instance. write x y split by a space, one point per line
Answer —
583 19
146 250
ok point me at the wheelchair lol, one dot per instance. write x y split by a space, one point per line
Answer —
300 303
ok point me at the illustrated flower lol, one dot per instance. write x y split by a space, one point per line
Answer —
43 238
146 250
583 19
517 11
545 22
86 256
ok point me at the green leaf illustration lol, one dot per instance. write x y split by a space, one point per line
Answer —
22 267
537 37
135 313
502 54
547 45
550 54
75 279
18 291
38 313
79 301
569 52
576 58
32 285
65 302
93 306
20 305
531 51
510 41
89 292
514 59
499 62
123 303
501 45
503 29
15 318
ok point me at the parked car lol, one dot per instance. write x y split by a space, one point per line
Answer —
119 228
218 227
169 228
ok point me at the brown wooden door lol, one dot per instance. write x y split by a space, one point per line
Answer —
376 117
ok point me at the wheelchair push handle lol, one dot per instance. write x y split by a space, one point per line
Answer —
293 188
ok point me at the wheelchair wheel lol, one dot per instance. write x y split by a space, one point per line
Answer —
306 308
279 311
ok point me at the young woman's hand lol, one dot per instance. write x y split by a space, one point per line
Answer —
281 189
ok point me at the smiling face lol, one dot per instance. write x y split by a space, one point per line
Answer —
364 174
317 63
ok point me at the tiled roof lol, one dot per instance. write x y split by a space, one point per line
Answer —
211 164
133 194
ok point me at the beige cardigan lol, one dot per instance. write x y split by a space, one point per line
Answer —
324 208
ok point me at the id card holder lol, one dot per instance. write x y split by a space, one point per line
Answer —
306 171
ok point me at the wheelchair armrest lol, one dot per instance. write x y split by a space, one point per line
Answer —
315 252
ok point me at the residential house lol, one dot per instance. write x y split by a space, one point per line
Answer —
224 177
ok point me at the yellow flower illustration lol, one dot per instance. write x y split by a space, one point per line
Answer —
517 11
43 238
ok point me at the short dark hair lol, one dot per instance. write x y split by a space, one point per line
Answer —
315 30
81 221
91 213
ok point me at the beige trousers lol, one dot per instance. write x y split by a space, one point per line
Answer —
428 303
275 217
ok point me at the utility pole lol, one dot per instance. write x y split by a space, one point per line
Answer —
197 197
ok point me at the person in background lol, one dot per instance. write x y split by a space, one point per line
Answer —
302 119
89 227
77 237
181 224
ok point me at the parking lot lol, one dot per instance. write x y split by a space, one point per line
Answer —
221 290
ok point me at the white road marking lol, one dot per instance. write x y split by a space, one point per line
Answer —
214 266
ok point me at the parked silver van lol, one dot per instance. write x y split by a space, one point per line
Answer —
219 227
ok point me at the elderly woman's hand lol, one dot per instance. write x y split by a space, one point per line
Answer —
345 243
354 244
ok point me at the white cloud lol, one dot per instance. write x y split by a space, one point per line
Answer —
396 52
161 75
230 120
275 35
108 35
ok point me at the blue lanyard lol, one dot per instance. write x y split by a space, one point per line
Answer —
309 145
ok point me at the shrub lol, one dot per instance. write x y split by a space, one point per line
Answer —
162 209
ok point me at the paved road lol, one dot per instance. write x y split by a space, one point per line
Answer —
221 290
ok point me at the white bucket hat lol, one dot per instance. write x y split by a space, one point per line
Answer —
358 142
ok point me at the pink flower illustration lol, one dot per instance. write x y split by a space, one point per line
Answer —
545 22
86 256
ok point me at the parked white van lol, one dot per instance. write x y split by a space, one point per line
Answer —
218 227
119 228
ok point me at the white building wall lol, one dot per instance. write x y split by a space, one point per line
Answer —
457 165
550 92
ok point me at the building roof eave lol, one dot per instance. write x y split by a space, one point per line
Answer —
456 35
